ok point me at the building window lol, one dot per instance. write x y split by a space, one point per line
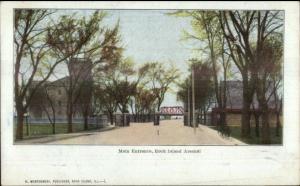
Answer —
59 103
59 92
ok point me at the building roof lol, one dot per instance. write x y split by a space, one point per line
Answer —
235 96
59 82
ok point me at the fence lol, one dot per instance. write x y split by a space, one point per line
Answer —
145 118
142 118
42 126
122 120
199 119
97 120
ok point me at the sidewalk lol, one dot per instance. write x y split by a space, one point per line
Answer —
58 137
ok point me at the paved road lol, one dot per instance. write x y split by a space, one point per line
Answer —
171 132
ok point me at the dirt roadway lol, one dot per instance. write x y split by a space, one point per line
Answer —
171 132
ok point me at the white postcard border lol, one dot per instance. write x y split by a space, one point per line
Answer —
214 165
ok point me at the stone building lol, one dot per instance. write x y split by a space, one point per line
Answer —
234 105
51 99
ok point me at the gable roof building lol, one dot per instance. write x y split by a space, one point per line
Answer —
235 96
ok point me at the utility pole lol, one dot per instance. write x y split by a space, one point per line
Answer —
193 97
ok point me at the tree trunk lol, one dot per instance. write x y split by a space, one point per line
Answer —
70 127
263 105
111 118
20 124
245 120
256 117
278 127
265 126
247 99
223 118
204 116
53 123
70 111
224 96
222 122
86 122
53 128
70 118
158 107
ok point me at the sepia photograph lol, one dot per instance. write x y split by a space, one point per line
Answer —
148 77
150 93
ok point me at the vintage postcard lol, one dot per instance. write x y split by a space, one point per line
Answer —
96 93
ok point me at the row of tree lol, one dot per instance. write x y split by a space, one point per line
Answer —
45 40
138 91
203 89
252 43
42 43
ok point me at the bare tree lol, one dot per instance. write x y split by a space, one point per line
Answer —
159 78
105 94
207 31
143 104
84 100
46 101
204 87
122 80
268 80
100 50
239 28
33 51
240 52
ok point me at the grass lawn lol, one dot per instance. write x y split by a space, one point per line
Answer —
235 132
46 129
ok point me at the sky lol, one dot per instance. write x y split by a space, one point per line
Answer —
151 35
148 36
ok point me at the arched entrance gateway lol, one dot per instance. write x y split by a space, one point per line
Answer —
168 111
